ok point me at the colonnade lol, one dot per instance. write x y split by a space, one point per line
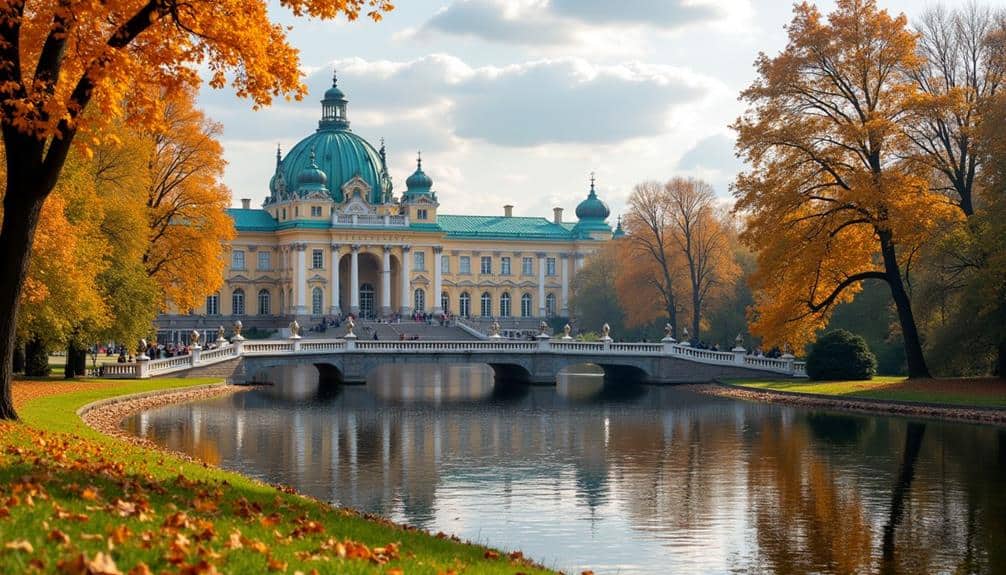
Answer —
404 253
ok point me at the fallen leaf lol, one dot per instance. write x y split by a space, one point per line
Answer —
20 545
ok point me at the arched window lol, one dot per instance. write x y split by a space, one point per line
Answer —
465 305
282 300
525 305
487 304
317 300
550 305
264 301
445 302
213 304
419 298
238 302
505 305
290 302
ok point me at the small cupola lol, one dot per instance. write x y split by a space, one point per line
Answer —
333 108
418 183
591 214
619 232
311 178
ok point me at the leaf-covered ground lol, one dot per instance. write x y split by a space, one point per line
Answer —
73 501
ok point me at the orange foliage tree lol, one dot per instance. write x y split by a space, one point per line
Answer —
828 201
62 57
186 205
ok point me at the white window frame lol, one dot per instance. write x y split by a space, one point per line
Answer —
550 266
238 260
505 265
465 265
527 266
418 261
264 261
317 259
486 265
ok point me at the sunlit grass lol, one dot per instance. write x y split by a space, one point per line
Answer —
978 392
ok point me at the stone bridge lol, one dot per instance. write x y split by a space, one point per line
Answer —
350 361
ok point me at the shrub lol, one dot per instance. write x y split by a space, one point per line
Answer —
841 354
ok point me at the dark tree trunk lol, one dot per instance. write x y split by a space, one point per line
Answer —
22 206
1000 367
917 367
672 318
76 362
36 358
902 486
18 363
696 313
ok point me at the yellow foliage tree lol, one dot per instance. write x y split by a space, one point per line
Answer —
828 200
62 57
186 206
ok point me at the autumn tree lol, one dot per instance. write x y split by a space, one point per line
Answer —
595 297
63 57
702 241
959 70
828 199
186 204
652 283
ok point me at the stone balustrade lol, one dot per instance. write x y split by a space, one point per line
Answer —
298 347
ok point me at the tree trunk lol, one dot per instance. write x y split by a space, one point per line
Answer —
917 367
696 312
672 318
36 358
1000 367
76 362
22 206
18 356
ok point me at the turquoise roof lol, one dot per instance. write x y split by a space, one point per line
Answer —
418 183
501 227
339 153
473 227
252 220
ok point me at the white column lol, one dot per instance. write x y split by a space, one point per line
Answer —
541 284
438 283
300 273
354 281
406 272
386 283
564 262
336 288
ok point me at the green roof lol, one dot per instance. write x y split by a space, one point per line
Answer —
501 227
252 220
475 227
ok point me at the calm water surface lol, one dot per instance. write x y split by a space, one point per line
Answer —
619 478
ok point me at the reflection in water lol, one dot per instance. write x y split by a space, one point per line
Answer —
619 478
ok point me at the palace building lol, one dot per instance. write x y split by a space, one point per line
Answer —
333 238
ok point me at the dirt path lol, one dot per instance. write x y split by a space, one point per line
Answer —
949 412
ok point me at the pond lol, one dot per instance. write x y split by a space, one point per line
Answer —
616 477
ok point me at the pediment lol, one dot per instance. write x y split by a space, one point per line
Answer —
466 283
317 278
317 195
421 279
238 279
265 279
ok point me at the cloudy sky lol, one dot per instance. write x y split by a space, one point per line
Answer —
517 101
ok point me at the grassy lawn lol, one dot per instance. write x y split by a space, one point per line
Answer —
979 392
71 500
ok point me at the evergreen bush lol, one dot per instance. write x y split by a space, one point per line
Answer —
841 354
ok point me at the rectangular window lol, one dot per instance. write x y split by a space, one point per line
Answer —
505 266
296 211
445 264
317 259
527 266
421 214
315 211
487 265
238 260
264 261
466 265
550 266
419 261
284 214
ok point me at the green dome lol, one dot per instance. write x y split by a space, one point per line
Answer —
592 208
339 154
619 232
418 183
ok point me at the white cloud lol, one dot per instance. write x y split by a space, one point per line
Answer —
562 22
